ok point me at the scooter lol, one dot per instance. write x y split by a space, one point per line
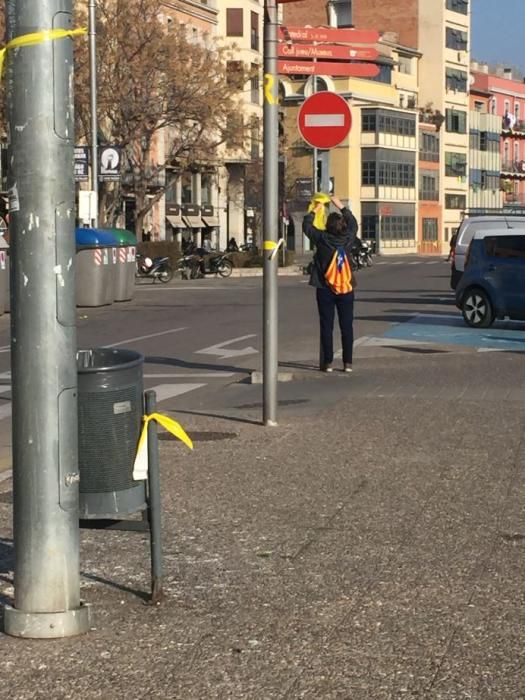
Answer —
156 269
195 267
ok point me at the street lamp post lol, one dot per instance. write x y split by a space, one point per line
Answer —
39 86
270 215
92 32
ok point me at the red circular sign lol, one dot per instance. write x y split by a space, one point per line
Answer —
324 120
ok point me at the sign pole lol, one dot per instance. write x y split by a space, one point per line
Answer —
39 89
270 215
93 102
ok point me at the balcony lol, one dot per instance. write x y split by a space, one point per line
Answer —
514 167
508 127
428 195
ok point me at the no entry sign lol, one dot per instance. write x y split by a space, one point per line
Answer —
324 120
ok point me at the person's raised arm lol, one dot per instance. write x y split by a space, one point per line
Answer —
309 229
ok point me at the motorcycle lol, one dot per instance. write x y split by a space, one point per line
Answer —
361 255
194 266
156 269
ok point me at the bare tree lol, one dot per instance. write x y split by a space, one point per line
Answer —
163 97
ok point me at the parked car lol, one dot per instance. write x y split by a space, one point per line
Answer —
493 282
469 226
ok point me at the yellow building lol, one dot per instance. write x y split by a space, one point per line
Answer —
375 169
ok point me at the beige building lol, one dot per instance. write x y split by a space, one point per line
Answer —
240 26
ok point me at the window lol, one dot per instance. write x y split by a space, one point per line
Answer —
398 228
430 230
493 105
455 164
254 83
405 65
186 182
460 6
455 201
384 75
369 122
235 136
254 138
456 121
429 147
456 80
506 152
254 31
206 188
507 106
428 184
517 110
516 151
234 22
505 246
478 106
483 141
368 173
368 227
456 39
343 13
235 74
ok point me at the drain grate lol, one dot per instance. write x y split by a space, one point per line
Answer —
286 402
208 436
6 497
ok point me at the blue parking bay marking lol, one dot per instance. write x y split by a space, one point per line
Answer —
445 329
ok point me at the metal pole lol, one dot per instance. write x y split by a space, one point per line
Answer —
270 215
43 332
154 504
93 100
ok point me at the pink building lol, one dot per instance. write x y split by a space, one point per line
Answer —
507 100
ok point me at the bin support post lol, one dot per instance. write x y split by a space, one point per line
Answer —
154 506
43 333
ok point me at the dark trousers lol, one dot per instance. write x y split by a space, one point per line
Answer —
327 302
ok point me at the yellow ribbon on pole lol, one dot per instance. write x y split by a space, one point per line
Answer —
269 82
38 38
140 466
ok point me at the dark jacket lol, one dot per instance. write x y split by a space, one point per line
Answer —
326 243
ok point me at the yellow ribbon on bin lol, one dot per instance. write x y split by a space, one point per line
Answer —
38 38
320 216
140 465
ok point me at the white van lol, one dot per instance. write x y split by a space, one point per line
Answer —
471 225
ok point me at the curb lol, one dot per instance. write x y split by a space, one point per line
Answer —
258 272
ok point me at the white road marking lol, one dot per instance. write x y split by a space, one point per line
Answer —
189 375
169 391
323 120
144 337
224 353
5 348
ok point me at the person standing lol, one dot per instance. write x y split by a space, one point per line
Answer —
332 277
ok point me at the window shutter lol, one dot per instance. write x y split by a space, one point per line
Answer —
234 22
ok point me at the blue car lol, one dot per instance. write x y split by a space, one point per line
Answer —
493 283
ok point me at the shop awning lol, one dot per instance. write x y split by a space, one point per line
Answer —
192 221
211 221
175 220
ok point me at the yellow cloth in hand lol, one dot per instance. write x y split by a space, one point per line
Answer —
320 216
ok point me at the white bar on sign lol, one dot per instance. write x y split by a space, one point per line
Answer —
324 120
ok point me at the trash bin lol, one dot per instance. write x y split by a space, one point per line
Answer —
110 410
126 265
95 266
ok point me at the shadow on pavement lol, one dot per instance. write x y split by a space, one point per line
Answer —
233 419
184 364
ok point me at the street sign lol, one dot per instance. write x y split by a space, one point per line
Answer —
81 164
328 35
348 70
327 52
110 163
324 120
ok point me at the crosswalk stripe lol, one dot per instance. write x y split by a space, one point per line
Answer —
169 391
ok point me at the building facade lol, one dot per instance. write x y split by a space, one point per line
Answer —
507 107
440 29
485 190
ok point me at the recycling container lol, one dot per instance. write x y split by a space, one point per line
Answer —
126 263
110 410
95 266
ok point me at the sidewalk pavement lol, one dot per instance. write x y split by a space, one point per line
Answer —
370 547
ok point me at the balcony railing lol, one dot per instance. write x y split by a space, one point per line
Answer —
514 166
518 126
429 195
429 156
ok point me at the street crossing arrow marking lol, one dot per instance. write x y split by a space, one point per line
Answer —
225 353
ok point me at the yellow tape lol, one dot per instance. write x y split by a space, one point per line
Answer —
140 465
38 38
269 82
269 245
